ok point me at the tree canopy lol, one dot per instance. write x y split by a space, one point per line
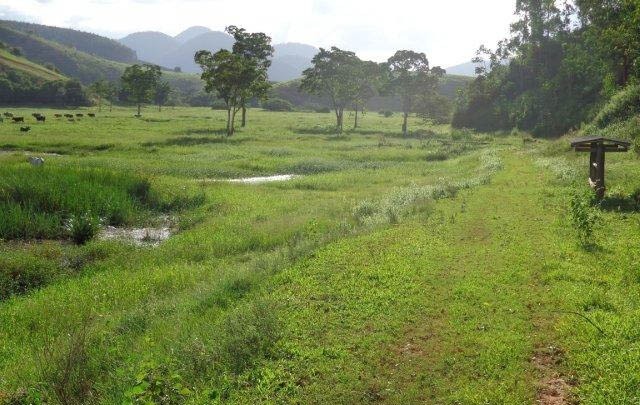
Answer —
140 83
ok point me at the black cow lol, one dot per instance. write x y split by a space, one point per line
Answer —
68 115
41 118
8 115
79 115
25 129
18 119
92 115
57 115
36 115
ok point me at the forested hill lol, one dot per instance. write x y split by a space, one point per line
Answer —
82 41
565 64
80 65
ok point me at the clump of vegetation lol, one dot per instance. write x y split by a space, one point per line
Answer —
55 202
584 216
156 384
277 104
623 106
393 207
82 228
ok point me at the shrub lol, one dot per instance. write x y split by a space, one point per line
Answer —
584 216
623 106
322 110
277 104
16 51
156 384
83 228
386 113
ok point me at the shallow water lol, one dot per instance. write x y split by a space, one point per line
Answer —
255 180
268 179
137 236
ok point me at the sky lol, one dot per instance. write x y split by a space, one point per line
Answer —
448 31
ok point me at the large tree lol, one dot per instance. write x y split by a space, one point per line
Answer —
370 79
161 94
613 27
411 79
100 90
334 75
255 47
140 82
232 77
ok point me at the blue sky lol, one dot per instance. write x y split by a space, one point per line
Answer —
448 31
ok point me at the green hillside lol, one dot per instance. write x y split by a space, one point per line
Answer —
9 61
83 41
80 65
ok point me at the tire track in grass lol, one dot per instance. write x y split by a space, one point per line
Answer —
448 310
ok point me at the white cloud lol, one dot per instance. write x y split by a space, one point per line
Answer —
449 32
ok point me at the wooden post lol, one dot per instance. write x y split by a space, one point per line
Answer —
592 166
600 161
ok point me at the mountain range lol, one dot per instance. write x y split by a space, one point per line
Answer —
288 62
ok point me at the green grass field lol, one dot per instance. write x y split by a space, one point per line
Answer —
444 268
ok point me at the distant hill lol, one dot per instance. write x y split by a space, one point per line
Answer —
290 59
151 46
9 61
191 33
465 69
183 56
82 41
82 66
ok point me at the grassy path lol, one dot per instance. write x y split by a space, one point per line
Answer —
447 309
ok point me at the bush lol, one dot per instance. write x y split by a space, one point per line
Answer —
16 51
277 104
386 113
622 107
83 228
322 110
584 216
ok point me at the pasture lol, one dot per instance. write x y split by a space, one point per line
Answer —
439 268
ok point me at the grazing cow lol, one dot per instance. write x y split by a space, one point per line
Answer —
79 115
41 118
68 115
36 161
92 115
8 115
18 119
72 120
25 129
36 115
57 115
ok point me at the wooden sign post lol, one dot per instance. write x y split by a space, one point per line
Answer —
598 147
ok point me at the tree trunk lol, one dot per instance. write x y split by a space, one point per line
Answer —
99 104
355 125
244 116
139 109
159 107
229 122
404 124
111 106
340 120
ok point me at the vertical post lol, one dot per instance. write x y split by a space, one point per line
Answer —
592 165
600 184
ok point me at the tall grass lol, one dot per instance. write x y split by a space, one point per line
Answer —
40 202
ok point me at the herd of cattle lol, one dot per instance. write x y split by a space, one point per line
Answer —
41 118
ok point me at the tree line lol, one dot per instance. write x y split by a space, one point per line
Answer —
561 62
240 75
